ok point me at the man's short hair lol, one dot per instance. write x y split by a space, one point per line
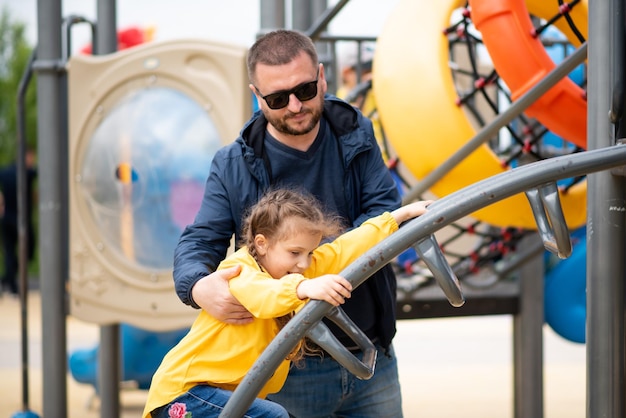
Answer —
279 47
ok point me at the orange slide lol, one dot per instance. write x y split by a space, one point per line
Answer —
522 61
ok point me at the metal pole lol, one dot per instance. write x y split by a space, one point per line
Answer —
272 15
23 222
109 359
606 224
323 16
50 146
106 27
619 73
528 337
301 14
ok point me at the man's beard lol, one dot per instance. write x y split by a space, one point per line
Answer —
281 124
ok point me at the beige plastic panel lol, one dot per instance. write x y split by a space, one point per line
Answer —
144 126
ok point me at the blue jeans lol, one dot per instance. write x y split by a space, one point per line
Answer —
323 388
206 401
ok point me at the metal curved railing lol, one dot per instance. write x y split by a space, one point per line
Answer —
537 180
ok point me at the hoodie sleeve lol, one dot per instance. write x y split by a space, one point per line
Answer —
261 294
333 257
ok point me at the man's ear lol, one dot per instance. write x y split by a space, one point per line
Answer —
260 244
256 93
322 78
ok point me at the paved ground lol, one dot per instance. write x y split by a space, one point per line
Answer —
452 367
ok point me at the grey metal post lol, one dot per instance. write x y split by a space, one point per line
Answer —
606 225
50 140
109 361
106 27
528 338
22 223
301 17
272 14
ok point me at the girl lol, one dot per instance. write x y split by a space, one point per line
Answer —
282 267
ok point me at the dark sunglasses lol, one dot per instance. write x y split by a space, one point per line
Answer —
303 92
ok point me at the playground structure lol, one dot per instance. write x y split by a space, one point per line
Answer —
536 180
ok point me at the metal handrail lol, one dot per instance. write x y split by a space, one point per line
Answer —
440 214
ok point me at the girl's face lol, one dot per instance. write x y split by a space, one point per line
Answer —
289 254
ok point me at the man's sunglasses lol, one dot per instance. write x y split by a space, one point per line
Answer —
303 92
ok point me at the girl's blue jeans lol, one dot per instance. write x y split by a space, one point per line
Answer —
207 401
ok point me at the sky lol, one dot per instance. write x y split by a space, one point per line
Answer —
231 21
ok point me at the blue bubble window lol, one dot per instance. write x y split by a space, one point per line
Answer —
144 170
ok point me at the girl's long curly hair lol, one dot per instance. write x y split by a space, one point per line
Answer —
268 217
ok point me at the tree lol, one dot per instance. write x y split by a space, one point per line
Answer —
14 56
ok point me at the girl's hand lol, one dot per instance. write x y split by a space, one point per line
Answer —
410 211
331 288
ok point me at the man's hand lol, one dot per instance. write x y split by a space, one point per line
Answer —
212 294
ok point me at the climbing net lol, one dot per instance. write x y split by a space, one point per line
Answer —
476 250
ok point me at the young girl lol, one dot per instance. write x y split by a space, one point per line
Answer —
282 267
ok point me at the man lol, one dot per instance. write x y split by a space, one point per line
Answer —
355 70
9 219
302 138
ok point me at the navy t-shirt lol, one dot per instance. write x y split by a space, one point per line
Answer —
320 170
